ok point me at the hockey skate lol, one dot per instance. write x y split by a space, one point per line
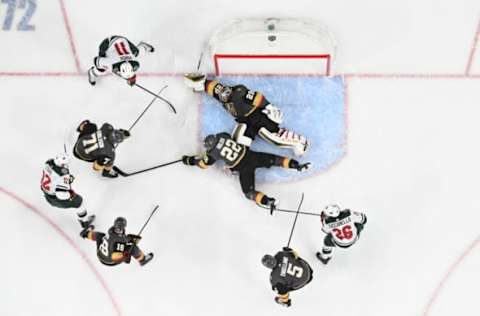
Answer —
86 225
321 258
146 259
91 77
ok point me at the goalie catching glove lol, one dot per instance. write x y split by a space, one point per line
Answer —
196 81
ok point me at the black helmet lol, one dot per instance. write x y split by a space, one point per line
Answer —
117 136
119 225
210 141
269 261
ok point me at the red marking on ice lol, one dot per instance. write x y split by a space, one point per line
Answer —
472 50
70 36
69 241
450 271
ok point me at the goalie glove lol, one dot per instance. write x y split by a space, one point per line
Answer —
273 113
196 81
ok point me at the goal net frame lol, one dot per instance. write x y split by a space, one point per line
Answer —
272 40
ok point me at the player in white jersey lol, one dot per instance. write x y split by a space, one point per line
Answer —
56 185
117 54
342 227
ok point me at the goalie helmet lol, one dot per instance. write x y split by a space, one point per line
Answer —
269 261
61 160
119 226
209 142
224 93
332 210
126 70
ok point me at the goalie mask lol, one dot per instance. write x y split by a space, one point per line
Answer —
224 93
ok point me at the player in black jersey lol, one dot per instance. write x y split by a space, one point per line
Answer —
115 247
98 146
289 273
253 113
238 158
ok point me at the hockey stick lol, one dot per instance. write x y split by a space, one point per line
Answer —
157 96
146 109
150 92
303 213
148 220
296 216
129 252
126 174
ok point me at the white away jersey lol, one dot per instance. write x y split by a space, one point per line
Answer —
55 179
119 49
343 229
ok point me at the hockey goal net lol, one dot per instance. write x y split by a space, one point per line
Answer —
270 46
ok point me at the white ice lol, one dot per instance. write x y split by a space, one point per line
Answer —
411 166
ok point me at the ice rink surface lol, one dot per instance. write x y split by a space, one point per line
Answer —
411 73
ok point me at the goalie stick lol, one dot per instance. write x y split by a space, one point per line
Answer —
126 174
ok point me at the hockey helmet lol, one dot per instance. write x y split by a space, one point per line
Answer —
61 160
210 141
119 225
117 136
126 70
224 92
269 261
332 210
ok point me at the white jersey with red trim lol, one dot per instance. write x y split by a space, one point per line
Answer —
55 181
119 49
342 228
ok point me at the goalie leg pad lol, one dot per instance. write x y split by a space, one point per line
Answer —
285 139
239 135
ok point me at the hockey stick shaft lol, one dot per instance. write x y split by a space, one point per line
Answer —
150 92
303 213
157 96
295 221
146 109
126 174
148 220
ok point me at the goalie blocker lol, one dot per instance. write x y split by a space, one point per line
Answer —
253 113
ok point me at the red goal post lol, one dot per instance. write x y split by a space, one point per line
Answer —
270 46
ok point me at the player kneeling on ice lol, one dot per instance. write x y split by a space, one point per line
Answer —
56 185
342 227
115 247
238 158
117 54
289 273
253 113
98 146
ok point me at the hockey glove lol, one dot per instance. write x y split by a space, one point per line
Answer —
196 81
132 81
72 178
303 166
134 238
189 160
273 113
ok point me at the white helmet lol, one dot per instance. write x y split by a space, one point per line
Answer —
332 210
126 70
61 160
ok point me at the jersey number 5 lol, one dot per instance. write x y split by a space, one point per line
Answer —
344 233
295 271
